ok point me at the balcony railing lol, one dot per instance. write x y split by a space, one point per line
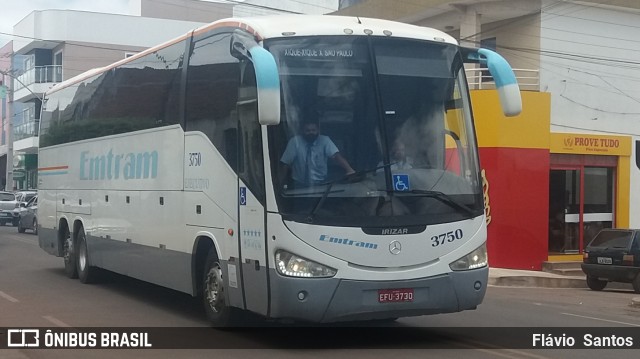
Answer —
479 79
39 75
25 130
25 124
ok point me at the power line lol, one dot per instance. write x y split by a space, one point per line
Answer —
71 43
618 91
527 17
592 129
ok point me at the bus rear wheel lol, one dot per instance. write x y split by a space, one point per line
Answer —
86 273
218 312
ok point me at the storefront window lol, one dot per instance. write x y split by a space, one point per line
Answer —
581 201
564 211
598 201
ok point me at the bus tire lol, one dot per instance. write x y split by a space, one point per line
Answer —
218 312
69 254
86 273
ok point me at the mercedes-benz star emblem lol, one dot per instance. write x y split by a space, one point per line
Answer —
395 247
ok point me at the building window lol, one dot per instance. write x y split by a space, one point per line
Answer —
213 81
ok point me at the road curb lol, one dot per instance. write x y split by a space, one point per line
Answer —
531 281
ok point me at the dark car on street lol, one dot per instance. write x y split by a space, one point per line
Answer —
29 216
613 256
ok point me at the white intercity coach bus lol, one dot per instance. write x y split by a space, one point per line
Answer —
188 166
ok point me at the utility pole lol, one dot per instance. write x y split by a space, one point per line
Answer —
10 91
7 91
9 185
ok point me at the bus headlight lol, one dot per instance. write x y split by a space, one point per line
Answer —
476 259
291 265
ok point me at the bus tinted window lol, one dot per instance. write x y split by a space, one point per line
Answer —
213 79
251 166
140 94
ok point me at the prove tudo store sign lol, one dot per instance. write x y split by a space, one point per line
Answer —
577 143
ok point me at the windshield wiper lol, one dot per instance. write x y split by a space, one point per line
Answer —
444 198
355 178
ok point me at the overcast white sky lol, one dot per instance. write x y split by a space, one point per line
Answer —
12 11
15 10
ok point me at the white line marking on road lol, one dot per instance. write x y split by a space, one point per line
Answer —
57 322
498 351
8 297
602 320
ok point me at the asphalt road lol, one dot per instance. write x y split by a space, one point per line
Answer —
34 292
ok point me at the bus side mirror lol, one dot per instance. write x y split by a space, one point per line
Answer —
505 79
244 46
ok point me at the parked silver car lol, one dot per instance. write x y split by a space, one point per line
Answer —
22 197
29 216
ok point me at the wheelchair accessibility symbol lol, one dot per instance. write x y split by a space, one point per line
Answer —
401 183
243 196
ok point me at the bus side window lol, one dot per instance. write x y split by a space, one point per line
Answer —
213 79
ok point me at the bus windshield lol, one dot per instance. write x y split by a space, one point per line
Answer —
374 132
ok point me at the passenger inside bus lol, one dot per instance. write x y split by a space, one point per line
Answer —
307 154
398 158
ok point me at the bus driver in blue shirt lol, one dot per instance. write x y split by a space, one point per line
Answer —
307 155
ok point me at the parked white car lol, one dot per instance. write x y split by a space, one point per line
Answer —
7 205
10 205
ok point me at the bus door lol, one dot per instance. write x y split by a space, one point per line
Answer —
251 193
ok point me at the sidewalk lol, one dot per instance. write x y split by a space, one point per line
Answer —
524 278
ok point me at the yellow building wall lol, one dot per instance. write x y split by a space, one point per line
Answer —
530 129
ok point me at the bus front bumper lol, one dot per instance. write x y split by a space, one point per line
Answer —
335 299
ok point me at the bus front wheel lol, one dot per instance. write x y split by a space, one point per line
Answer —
218 312
69 255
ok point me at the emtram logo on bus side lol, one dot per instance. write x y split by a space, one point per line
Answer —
110 166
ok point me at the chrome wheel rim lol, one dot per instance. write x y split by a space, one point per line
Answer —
82 257
214 289
68 250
